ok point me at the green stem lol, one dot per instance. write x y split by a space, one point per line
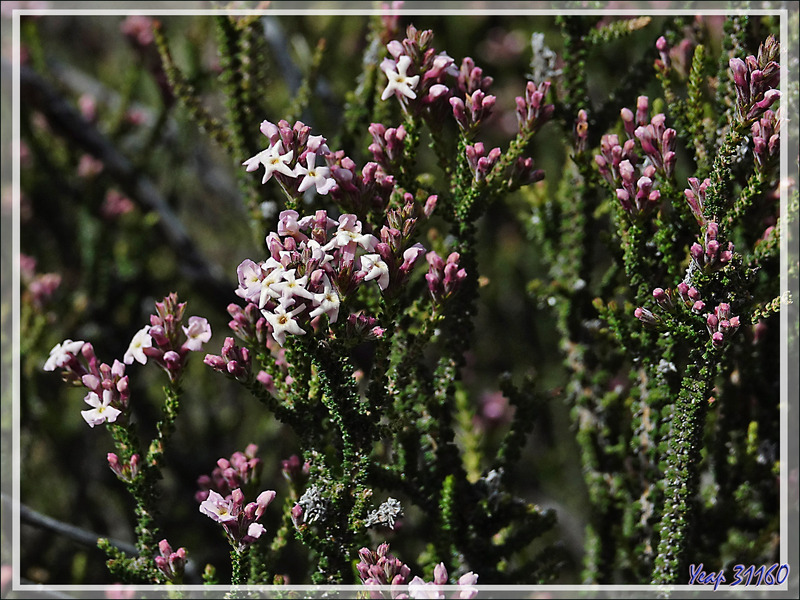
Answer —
682 473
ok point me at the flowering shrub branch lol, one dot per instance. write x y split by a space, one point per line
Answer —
356 323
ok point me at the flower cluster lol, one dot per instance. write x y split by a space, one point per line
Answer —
239 471
755 80
637 196
710 256
126 472
684 296
424 88
240 522
387 146
721 324
108 385
233 360
171 564
612 155
419 588
443 277
481 163
696 197
532 112
687 295
658 144
292 156
766 139
313 266
382 568
655 139
166 340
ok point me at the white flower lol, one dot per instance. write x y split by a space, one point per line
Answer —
313 175
399 82
290 286
349 234
375 268
273 161
283 323
250 276
419 588
327 302
217 508
273 277
101 411
198 333
139 342
61 353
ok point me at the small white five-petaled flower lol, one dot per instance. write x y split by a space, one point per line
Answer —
273 160
61 353
283 322
399 82
139 342
313 175
101 411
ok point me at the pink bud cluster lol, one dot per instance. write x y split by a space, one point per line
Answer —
361 326
656 140
171 564
696 197
766 139
239 521
381 568
612 155
233 361
361 192
684 296
473 105
108 385
471 77
755 80
443 277
523 173
711 256
481 163
239 471
166 341
721 324
532 112
126 472
637 196
387 146
248 324
295 471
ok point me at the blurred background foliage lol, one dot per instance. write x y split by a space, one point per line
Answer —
113 251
